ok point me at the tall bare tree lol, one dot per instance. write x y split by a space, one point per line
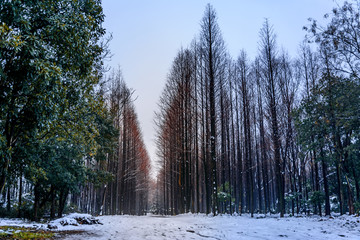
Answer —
270 69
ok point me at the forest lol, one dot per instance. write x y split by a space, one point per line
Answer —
277 134
273 134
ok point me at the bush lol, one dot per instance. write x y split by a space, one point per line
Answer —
317 197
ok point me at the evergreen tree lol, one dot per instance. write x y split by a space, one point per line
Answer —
50 59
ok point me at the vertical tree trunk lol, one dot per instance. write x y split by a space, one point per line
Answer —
239 160
36 202
62 201
233 150
20 196
257 156
8 196
52 199
317 185
340 188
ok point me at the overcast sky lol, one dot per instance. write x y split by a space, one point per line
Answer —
148 33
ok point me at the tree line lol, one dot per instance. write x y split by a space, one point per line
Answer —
69 135
119 176
276 134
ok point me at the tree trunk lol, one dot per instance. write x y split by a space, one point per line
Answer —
340 189
62 201
20 196
326 185
52 199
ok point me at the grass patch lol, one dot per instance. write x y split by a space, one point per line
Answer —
22 233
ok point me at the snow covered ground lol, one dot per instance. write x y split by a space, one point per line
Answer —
191 226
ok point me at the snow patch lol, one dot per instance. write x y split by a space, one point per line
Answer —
73 219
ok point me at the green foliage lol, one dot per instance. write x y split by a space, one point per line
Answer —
316 197
98 177
32 235
50 63
224 197
26 206
328 123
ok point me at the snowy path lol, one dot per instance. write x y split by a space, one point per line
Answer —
189 226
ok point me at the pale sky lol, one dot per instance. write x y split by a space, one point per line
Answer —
148 33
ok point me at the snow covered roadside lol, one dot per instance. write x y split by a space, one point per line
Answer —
191 226
69 224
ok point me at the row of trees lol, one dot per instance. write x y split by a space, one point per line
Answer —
60 133
276 134
122 157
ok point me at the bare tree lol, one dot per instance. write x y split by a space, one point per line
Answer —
269 64
214 52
